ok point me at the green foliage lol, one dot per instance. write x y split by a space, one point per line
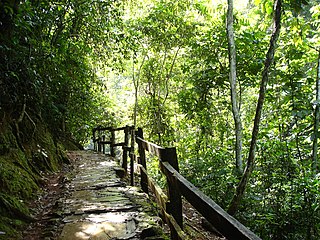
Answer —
48 61
20 174
61 59
289 198
50 90
197 110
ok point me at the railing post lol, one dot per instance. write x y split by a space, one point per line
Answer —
174 206
132 155
94 139
113 140
99 144
142 161
103 145
125 149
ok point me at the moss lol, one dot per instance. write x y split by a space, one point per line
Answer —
70 144
14 214
7 227
5 142
44 152
10 228
21 167
13 207
61 151
17 186
4 148
15 180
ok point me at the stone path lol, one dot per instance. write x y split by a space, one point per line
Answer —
99 205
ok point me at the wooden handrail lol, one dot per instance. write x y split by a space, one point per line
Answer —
178 186
171 204
99 141
221 220
150 147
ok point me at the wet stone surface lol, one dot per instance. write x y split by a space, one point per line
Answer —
97 204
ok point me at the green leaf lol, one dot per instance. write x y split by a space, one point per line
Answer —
257 2
268 7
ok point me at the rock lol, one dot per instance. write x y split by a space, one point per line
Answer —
149 232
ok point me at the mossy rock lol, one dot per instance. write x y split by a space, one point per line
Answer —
14 214
15 180
7 228
14 207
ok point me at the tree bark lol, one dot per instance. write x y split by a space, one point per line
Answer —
235 202
233 88
316 120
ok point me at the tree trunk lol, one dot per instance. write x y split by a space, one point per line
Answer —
233 88
136 86
235 202
316 120
136 81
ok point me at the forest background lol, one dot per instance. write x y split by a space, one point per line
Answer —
165 66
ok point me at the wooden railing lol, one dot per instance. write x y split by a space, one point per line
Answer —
101 139
171 204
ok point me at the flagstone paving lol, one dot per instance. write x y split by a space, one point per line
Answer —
99 205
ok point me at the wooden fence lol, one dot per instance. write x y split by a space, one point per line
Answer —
170 204
100 140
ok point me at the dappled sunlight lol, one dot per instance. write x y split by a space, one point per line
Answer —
93 229
90 207
111 217
107 164
100 226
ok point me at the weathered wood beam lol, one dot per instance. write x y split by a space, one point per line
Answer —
162 200
221 220
150 147
142 160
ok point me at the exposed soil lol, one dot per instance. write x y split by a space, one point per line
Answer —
47 224
44 209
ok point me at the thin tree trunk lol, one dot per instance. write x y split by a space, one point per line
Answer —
316 120
235 202
168 75
295 116
136 81
233 89
136 86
